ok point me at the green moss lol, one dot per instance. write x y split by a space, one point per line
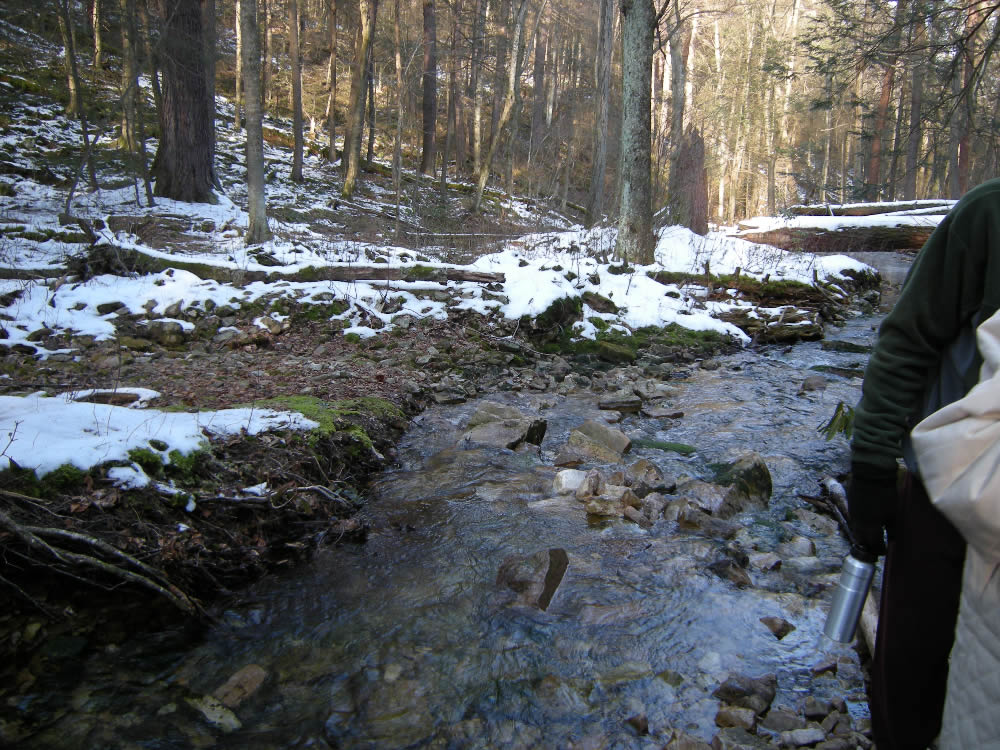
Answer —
150 461
339 416
64 478
665 445
421 273
599 323
187 467
354 338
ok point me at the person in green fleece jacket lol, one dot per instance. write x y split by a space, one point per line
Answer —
925 357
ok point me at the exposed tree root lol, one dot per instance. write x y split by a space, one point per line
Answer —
57 557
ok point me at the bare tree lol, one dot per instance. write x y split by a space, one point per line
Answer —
356 105
429 80
595 204
183 163
257 229
75 106
635 225
293 51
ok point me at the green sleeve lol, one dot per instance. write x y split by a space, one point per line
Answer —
942 293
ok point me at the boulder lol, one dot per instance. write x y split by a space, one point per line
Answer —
507 433
599 442
534 578
241 685
755 693
749 483
644 477
779 626
568 481
591 486
490 411
736 716
167 332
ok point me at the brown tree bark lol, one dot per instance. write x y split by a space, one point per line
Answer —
636 242
296 59
183 163
595 202
238 95
331 82
257 229
429 82
356 106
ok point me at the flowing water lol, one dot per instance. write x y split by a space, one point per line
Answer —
409 638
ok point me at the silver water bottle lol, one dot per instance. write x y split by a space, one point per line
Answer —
849 598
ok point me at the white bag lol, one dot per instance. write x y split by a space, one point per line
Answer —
958 452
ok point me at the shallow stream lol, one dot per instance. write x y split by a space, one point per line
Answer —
410 640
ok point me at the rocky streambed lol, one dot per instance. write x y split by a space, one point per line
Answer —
616 557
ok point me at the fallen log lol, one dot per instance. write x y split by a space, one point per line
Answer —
867 209
845 240
106 258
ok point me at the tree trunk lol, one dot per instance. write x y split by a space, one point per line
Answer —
296 58
370 77
268 74
183 163
538 93
356 105
475 67
238 95
429 81
331 80
98 11
506 109
208 50
133 131
915 135
397 146
257 229
595 204
636 242
73 80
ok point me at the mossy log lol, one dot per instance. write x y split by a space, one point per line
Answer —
853 239
867 209
110 259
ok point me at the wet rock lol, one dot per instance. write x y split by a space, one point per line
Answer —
782 720
241 685
813 383
508 433
653 390
614 353
661 412
728 570
737 738
691 517
636 516
623 400
604 507
640 723
736 716
568 481
215 713
779 626
815 709
621 495
798 546
749 483
652 505
398 714
644 477
708 497
748 692
591 486
683 741
535 578
598 442
802 737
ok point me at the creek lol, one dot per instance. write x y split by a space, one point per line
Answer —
409 639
